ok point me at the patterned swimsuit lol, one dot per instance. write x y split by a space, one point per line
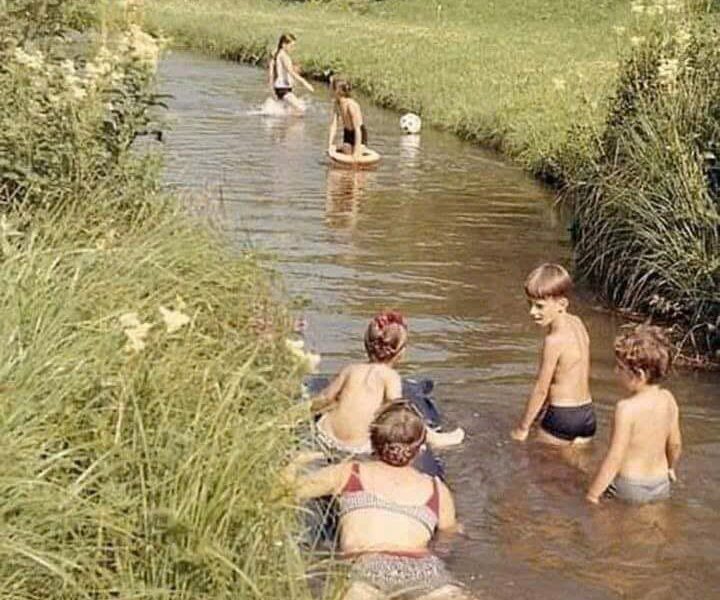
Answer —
392 573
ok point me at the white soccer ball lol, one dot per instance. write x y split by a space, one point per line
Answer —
410 123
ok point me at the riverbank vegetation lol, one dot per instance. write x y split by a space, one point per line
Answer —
557 86
145 387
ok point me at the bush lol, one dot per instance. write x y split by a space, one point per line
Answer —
648 215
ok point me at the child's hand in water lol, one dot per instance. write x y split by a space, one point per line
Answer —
519 434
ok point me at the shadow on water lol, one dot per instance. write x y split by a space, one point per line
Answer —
447 232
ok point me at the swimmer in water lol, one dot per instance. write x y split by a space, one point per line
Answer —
353 398
282 73
346 111
646 443
389 512
562 388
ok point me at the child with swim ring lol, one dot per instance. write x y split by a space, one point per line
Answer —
646 442
562 387
388 512
346 112
353 398
282 73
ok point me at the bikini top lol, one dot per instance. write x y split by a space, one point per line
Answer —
355 497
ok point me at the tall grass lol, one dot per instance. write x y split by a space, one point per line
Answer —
146 392
648 214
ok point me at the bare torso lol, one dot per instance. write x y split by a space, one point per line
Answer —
350 114
651 415
365 388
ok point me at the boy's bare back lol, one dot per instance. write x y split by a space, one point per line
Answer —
570 382
359 390
651 419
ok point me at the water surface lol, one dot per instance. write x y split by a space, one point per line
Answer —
447 232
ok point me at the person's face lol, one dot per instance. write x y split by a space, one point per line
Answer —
628 379
544 311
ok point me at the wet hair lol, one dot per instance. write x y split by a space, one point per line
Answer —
645 350
341 86
549 280
397 433
386 336
285 38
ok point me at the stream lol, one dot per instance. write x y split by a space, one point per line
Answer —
446 232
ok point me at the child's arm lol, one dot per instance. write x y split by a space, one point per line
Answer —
673 447
356 115
330 394
271 73
333 130
323 482
294 73
548 363
615 455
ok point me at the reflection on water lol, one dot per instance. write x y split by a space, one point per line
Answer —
446 233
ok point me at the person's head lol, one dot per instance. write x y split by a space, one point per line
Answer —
643 356
285 42
386 337
397 433
340 87
547 289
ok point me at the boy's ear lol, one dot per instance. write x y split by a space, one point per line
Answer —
564 302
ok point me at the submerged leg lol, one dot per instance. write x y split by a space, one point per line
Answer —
362 591
295 103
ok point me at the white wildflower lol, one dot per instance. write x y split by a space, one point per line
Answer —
558 83
135 331
637 7
637 40
67 67
78 92
310 360
619 30
174 319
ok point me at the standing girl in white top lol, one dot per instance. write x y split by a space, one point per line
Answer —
282 73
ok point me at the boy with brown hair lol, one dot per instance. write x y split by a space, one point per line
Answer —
562 387
646 441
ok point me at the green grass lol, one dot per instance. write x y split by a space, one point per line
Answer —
515 74
146 393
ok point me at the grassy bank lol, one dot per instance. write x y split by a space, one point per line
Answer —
550 84
145 387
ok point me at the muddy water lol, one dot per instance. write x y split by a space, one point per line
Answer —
447 232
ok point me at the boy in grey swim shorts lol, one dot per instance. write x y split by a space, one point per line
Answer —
646 442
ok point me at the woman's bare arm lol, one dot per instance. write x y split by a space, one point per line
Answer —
323 482
292 71
615 455
447 519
